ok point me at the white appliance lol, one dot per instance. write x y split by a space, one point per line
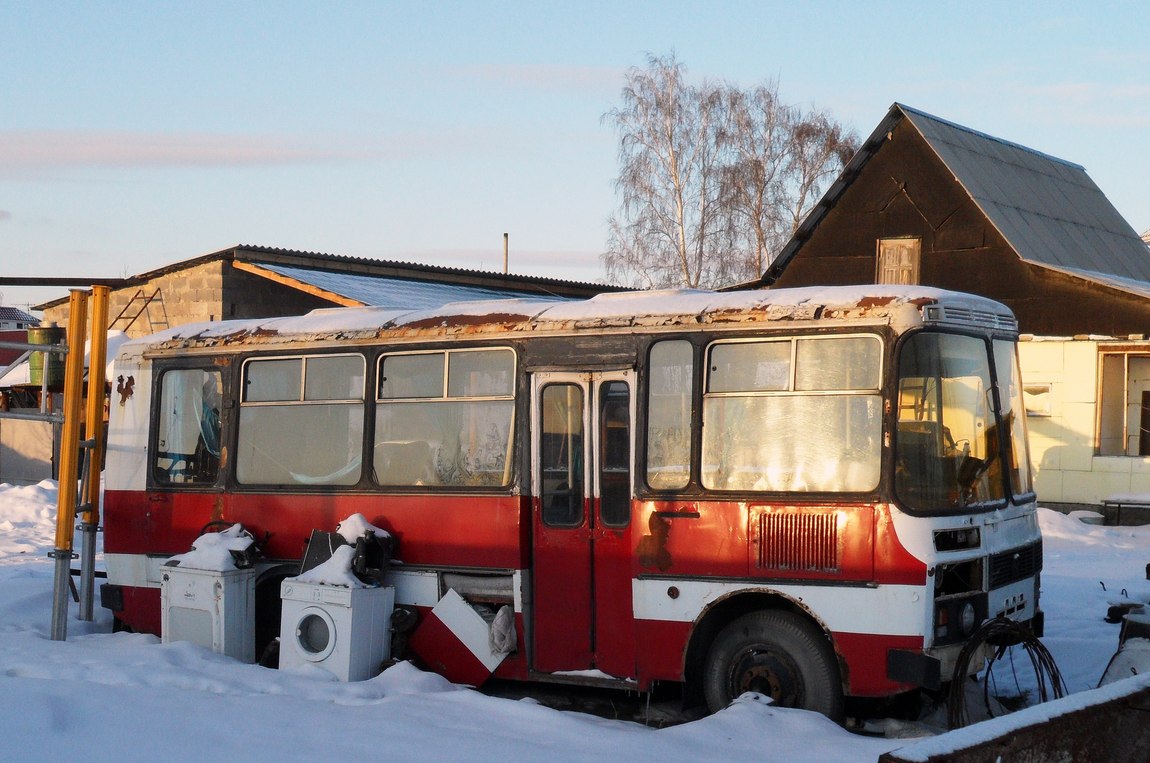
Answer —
345 631
214 609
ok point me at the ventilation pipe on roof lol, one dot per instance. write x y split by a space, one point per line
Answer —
504 254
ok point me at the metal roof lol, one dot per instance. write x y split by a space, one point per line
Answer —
1048 210
16 314
312 263
395 293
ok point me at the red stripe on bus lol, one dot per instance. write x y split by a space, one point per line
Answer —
446 530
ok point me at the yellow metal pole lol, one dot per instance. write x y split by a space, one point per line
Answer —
94 434
69 457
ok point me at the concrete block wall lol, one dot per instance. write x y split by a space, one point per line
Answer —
209 292
26 451
1063 446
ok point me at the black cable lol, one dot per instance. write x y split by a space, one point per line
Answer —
1002 633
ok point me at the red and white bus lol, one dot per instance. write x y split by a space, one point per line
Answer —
810 493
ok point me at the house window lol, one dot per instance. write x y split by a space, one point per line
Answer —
898 260
1124 412
1037 399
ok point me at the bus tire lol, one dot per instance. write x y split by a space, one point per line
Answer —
778 654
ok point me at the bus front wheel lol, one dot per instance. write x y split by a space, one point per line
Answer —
778 654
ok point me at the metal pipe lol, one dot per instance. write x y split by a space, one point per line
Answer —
69 456
4 371
32 416
60 348
94 432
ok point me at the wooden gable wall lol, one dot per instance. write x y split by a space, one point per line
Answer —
905 190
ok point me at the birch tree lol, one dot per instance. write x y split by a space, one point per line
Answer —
668 179
713 179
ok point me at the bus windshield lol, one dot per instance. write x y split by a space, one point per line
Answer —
948 449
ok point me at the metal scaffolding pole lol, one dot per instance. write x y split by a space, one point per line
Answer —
94 434
69 457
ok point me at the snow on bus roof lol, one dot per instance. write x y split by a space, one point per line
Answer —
619 308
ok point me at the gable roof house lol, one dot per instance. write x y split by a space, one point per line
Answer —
265 282
931 202
14 325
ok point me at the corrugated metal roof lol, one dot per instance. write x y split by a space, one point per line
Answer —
16 314
394 293
1048 209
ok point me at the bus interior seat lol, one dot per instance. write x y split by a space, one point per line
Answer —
924 468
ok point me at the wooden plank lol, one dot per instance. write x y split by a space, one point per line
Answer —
307 288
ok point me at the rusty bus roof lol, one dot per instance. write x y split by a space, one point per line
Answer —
624 311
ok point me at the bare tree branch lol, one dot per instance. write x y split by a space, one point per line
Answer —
713 180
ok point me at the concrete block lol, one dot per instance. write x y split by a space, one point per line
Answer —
1080 384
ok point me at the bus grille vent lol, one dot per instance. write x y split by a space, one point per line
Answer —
799 542
1016 564
982 318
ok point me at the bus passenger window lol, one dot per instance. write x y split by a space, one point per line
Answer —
188 432
445 418
793 415
670 387
301 421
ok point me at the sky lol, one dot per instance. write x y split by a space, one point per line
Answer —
138 134
179 699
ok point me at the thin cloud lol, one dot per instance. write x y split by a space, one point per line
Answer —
26 153
32 150
5 215
548 77
1093 104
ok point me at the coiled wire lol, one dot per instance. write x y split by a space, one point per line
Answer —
1002 633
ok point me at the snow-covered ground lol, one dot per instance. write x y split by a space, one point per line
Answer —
120 696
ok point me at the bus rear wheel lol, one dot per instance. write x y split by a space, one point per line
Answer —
778 654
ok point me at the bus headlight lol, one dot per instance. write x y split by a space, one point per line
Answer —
956 617
968 619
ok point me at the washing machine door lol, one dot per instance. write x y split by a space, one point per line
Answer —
315 634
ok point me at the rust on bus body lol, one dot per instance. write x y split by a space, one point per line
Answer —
465 321
459 324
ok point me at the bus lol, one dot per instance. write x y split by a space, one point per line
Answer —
814 493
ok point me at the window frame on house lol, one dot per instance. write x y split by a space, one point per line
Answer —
886 247
1121 429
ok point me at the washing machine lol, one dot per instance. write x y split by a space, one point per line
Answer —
214 609
345 631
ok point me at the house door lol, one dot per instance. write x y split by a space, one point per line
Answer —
582 456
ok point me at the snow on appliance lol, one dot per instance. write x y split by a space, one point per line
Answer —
207 596
336 614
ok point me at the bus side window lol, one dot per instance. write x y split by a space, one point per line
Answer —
670 388
188 429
